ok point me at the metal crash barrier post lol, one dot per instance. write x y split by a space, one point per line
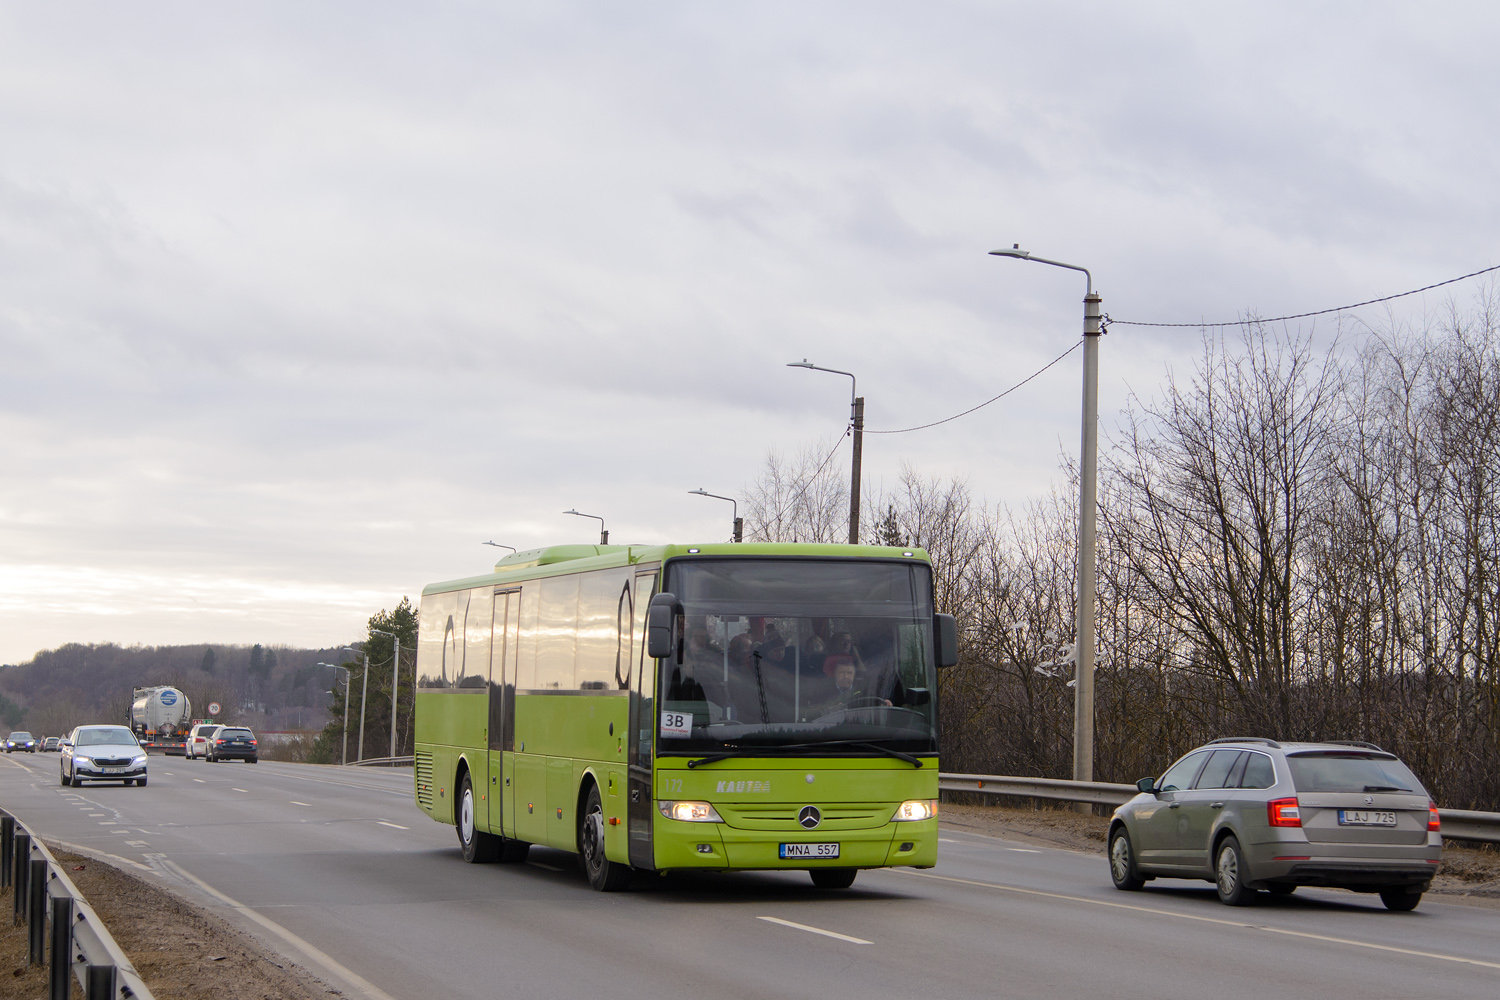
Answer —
100 983
61 979
7 848
21 869
36 911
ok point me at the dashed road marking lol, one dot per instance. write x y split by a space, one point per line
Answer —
1023 850
296 803
395 826
200 781
1198 918
814 930
245 790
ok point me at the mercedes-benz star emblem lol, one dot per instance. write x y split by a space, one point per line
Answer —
809 817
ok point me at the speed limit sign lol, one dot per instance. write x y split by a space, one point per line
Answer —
213 708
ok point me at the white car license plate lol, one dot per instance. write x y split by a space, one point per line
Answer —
809 850
111 770
1366 817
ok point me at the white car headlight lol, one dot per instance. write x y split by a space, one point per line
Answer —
915 809
139 760
689 812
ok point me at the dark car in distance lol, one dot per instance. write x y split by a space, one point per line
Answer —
51 744
234 743
21 741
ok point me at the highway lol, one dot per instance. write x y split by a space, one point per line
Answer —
337 870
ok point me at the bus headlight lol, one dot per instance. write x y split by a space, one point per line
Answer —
689 812
915 809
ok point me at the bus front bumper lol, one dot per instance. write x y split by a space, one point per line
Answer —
719 846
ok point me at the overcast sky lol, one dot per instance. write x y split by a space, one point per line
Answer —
299 302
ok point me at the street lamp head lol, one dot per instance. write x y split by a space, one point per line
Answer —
804 363
499 545
1014 251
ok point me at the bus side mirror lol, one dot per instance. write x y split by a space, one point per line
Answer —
661 615
945 634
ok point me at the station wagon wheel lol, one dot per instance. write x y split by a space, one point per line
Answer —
478 846
1231 874
1122 861
604 874
1399 899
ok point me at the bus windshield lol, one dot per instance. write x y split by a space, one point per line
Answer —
799 655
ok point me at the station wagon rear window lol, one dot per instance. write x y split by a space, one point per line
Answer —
1339 771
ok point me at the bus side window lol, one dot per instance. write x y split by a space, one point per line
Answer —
525 672
433 639
556 647
598 643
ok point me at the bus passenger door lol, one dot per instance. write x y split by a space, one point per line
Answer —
502 718
642 730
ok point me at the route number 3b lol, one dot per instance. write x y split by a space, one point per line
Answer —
676 725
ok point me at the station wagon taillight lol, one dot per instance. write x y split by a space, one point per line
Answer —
1434 824
1283 812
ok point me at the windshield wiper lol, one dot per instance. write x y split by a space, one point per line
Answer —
1385 788
714 757
862 744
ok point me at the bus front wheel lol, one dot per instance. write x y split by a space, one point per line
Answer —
604 874
833 878
478 846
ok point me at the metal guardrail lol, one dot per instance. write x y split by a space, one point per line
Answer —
63 931
382 762
1458 824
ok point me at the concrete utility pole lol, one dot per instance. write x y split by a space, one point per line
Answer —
1088 513
857 419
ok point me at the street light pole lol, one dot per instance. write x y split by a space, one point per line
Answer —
603 534
739 522
395 683
345 708
339 666
857 419
1088 513
364 688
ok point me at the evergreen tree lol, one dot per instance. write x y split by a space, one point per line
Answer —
207 666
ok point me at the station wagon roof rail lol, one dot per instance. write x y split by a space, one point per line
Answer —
1355 743
1248 739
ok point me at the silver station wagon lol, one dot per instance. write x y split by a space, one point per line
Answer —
1252 813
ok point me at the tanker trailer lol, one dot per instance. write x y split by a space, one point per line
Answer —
161 717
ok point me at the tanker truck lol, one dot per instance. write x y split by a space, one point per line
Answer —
161 717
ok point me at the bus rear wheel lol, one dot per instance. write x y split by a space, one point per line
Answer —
833 878
604 874
478 846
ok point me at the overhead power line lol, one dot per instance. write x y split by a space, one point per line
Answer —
987 402
1319 312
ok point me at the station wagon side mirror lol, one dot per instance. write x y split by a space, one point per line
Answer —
661 617
1146 785
945 637
65 743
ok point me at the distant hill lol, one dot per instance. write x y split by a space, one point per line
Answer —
266 687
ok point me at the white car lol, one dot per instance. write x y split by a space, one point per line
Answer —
200 740
102 753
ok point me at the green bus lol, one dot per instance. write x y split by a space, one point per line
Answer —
662 708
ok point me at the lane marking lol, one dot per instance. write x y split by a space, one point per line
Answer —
814 930
106 822
245 790
93 852
296 803
1023 850
538 864
396 826
200 781
316 954
1202 919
